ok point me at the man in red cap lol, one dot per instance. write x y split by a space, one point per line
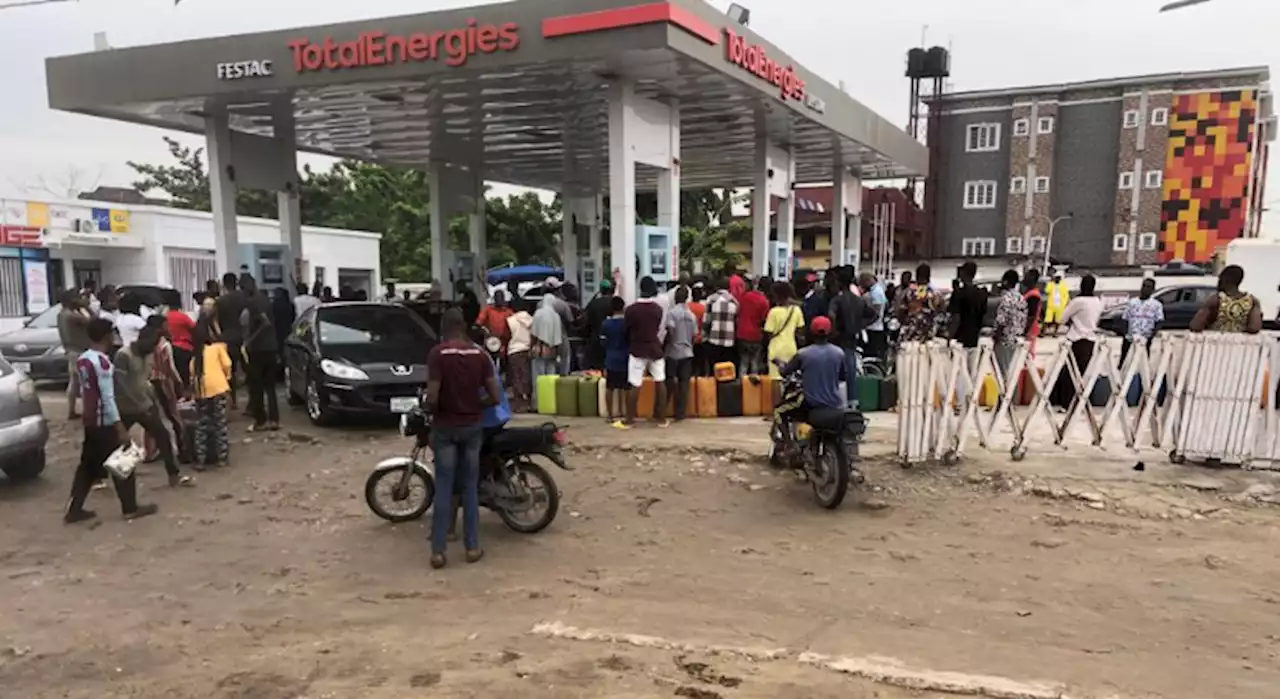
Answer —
823 367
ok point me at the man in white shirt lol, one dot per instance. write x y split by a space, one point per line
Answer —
130 321
303 301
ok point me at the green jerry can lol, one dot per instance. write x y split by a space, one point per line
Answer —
867 391
589 396
546 390
567 396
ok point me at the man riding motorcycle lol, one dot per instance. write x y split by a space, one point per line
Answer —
822 367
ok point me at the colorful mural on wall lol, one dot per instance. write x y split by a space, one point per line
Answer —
1206 173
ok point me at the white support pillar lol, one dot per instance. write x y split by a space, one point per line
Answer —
669 190
571 213
760 210
441 255
477 223
287 199
846 216
594 247
622 191
222 193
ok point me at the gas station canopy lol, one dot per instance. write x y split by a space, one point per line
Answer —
517 90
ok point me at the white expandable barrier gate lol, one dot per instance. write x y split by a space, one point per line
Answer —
1205 396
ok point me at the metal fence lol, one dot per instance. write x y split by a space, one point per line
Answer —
1209 396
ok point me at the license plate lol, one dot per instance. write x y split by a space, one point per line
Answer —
24 367
403 405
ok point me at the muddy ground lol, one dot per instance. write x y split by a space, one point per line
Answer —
272 580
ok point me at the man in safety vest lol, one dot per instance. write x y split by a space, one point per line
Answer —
1056 298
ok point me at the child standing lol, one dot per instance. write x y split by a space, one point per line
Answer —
613 335
211 386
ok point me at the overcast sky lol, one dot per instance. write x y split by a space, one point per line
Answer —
995 43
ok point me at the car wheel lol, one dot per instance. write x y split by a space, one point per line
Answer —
317 407
26 468
290 395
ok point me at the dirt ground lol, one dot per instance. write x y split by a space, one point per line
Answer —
271 580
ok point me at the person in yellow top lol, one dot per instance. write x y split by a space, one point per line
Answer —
781 324
1056 298
210 384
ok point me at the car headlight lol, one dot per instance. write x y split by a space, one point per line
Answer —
26 389
342 371
56 352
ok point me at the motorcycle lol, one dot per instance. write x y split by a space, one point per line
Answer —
521 492
823 447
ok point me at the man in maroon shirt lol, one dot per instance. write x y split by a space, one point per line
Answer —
646 329
457 371
752 309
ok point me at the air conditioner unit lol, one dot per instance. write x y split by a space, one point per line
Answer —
86 226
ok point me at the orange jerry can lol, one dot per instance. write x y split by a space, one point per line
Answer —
648 394
1026 389
770 394
725 371
752 396
704 396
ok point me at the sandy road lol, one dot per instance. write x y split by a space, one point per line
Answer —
271 580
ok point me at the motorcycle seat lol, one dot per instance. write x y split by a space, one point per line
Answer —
522 438
836 419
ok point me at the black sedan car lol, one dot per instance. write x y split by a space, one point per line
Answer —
36 349
357 359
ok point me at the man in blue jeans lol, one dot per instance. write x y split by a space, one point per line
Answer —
458 370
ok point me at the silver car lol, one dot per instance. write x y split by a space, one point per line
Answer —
23 430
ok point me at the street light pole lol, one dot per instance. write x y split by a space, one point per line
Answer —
1048 245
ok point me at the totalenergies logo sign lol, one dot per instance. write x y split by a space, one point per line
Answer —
453 47
755 59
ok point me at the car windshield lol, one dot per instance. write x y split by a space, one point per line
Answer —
47 319
371 325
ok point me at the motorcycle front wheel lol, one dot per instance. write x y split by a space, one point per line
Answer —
395 501
535 501
829 473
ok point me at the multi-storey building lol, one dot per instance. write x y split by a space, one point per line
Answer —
1139 170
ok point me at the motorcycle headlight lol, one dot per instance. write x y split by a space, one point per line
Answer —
26 389
342 371
493 344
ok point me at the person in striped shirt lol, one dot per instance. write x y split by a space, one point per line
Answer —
104 432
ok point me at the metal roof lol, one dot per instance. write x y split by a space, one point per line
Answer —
535 116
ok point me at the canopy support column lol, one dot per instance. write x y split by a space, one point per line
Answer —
222 193
287 201
846 217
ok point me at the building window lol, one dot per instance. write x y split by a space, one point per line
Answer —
1021 127
1159 116
1126 180
1042 185
1120 242
1131 119
1044 125
978 247
980 195
1037 244
1013 246
1154 178
983 138
1018 185
1147 242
